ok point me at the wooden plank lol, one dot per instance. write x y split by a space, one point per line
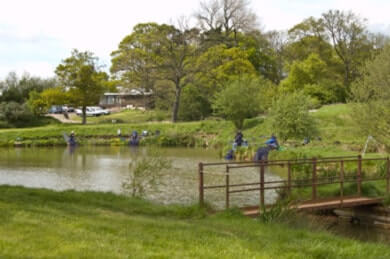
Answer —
326 204
345 203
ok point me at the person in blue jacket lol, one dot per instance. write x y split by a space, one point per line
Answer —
272 142
230 155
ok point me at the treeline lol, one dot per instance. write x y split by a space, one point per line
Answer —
225 66
15 110
188 67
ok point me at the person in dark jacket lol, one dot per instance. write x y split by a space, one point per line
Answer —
262 153
230 155
238 139
72 139
134 140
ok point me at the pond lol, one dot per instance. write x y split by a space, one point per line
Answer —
106 168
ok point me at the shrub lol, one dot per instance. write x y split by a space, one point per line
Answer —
240 100
290 117
193 104
145 173
16 114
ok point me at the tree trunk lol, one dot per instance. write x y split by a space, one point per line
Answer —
84 115
346 75
176 103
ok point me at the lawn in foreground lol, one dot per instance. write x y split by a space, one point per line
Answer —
42 223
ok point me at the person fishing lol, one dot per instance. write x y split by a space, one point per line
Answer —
272 142
238 142
262 153
72 139
238 139
230 155
134 140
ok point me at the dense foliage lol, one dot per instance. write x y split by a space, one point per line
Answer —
319 57
240 100
291 118
13 114
371 96
81 74
15 109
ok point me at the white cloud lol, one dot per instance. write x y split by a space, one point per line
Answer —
41 68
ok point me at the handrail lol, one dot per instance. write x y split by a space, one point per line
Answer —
276 160
290 183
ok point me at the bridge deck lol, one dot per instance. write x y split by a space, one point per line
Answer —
347 202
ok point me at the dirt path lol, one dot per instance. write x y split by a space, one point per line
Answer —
61 118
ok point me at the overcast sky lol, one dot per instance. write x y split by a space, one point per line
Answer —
35 35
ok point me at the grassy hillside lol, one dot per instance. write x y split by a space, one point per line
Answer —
37 223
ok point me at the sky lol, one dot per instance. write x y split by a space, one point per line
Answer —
36 35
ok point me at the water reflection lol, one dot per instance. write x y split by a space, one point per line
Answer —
105 169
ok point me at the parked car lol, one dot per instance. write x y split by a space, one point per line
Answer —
55 109
67 108
93 111
100 110
88 112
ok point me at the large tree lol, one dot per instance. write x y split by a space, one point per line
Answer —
371 94
214 70
261 54
306 38
316 79
156 52
81 74
226 17
219 65
349 38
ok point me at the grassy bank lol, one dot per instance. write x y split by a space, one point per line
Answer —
202 133
40 223
338 133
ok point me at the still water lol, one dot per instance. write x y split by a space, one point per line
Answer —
106 168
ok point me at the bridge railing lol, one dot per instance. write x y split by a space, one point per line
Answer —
288 184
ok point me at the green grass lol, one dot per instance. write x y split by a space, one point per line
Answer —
178 134
38 223
36 122
127 116
368 189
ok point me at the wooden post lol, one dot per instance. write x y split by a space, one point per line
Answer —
201 189
314 180
227 186
262 200
388 176
289 178
359 175
341 181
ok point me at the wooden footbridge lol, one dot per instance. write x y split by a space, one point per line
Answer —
311 175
